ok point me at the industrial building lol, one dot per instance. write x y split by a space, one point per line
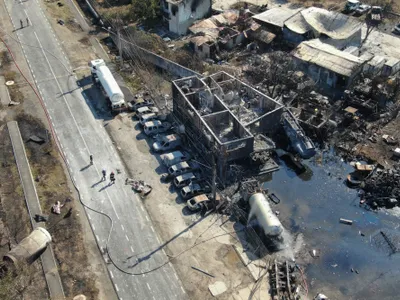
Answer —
221 116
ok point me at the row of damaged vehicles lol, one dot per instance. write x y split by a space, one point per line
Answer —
183 171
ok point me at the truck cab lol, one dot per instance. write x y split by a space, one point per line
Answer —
376 14
351 6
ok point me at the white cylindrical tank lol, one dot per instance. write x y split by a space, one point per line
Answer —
110 86
260 209
30 247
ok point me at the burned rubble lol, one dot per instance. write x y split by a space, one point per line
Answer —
382 189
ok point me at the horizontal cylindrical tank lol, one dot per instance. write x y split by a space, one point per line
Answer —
260 209
110 85
30 248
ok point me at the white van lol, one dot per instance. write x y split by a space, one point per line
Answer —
156 127
167 142
173 158
147 117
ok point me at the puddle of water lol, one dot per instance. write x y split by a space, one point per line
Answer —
312 205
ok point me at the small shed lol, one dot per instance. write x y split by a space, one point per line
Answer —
326 64
391 67
275 18
375 65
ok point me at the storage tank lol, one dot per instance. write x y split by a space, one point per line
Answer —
30 248
260 209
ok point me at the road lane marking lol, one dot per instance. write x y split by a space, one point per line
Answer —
147 218
72 115
122 226
141 207
152 228
116 287
112 275
132 249
127 238
183 290
148 286
98 239
176 276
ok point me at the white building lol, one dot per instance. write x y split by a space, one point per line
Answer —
181 14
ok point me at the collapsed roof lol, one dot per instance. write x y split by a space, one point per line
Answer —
208 30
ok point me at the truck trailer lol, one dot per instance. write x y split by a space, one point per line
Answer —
102 76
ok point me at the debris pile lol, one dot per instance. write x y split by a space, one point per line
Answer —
56 208
139 186
382 189
283 281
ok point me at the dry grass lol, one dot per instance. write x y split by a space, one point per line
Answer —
30 283
63 13
123 12
15 93
51 184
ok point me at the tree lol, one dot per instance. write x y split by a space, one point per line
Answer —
277 74
146 10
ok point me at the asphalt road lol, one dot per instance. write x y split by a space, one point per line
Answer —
134 244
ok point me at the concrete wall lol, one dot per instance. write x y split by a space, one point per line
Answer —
233 41
292 37
203 51
156 60
185 13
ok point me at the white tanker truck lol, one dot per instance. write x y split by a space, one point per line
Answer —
101 75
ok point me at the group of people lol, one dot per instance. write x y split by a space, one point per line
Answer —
104 172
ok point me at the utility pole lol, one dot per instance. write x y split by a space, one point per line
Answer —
120 44
214 181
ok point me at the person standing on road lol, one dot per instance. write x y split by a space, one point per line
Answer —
104 174
22 23
112 178
91 159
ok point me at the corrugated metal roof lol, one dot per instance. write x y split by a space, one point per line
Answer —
328 57
298 24
210 28
276 16
333 24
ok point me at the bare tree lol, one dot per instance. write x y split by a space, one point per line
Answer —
277 74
